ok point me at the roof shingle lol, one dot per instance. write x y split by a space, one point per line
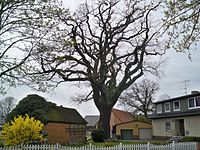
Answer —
63 114
123 116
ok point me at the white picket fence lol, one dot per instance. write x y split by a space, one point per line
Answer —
172 146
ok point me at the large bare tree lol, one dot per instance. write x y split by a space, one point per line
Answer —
108 44
140 96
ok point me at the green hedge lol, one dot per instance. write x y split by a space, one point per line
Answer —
98 135
190 139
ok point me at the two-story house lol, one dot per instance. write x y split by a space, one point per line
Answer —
178 116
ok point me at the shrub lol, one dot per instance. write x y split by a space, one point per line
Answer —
110 143
98 135
22 130
190 139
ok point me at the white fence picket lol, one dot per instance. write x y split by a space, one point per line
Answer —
172 146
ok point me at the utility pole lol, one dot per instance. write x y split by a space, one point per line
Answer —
185 84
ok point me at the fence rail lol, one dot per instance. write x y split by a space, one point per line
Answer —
148 146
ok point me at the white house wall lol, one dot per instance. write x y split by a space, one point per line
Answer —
191 125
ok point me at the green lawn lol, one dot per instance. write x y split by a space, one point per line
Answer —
113 143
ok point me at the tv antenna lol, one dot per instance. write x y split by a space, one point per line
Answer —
185 84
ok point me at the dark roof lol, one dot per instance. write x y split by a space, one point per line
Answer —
178 98
64 115
91 120
175 114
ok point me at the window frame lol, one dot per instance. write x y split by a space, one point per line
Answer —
195 103
167 126
166 107
158 109
179 105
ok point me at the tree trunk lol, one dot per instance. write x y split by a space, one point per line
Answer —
104 120
145 114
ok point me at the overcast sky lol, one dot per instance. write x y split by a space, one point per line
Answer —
178 69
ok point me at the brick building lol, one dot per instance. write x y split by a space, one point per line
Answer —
65 126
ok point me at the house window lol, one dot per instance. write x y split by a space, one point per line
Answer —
167 107
176 105
167 126
191 103
159 108
194 102
197 100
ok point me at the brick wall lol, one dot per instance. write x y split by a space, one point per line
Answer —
61 133
56 133
77 137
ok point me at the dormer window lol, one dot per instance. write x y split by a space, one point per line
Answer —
176 105
159 108
167 107
191 103
194 102
197 100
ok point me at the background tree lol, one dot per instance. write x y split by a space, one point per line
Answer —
109 45
22 130
164 97
33 105
16 40
139 97
6 105
182 22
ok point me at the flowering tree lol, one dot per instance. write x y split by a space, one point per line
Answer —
22 131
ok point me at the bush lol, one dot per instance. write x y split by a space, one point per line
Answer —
22 130
190 139
109 144
98 135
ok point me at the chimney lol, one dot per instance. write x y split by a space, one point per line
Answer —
195 92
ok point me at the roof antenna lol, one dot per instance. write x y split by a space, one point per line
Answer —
185 84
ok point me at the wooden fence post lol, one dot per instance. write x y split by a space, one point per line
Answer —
90 146
173 145
148 146
120 146
57 146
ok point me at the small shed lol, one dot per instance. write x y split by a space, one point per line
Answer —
65 126
134 130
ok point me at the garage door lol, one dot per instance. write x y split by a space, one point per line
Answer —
145 134
127 134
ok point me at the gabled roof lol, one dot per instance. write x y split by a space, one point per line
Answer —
64 115
91 120
123 116
179 98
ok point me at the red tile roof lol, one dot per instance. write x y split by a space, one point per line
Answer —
122 116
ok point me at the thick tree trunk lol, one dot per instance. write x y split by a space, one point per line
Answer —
104 121
145 114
